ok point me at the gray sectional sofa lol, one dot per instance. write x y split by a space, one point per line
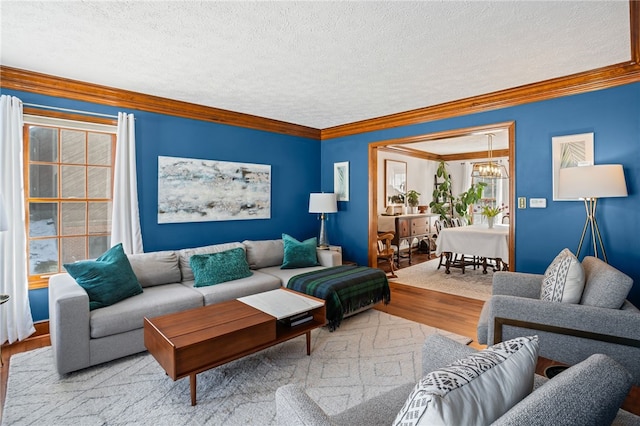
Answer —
81 338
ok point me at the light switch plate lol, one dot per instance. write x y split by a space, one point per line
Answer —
522 202
538 203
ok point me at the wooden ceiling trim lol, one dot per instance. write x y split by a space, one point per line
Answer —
602 78
634 12
29 81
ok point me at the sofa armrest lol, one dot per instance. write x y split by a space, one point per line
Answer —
295 408
329 257
588 393
614 322
439 351
517 284
69 322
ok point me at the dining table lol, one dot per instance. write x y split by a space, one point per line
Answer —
477 242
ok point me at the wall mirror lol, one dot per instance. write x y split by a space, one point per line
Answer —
395 181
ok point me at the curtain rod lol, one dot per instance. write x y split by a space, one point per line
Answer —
97 114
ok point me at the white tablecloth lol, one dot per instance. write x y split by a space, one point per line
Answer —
475 240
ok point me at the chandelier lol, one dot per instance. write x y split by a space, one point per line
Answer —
490 169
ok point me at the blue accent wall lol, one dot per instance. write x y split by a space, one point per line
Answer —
295 172
613 115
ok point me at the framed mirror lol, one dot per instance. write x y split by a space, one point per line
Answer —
395 177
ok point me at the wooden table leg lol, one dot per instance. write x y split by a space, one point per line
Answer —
308 342
192 381
448 263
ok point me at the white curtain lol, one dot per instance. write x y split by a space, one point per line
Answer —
125 221
16 322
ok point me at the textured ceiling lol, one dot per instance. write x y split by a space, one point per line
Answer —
318 64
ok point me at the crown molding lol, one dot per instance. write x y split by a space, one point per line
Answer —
610 76
29 81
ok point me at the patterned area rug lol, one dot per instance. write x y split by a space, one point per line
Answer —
473 283
369 354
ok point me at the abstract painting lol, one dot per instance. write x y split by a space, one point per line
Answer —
195 190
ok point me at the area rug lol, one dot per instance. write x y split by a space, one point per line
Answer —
370 353
473 283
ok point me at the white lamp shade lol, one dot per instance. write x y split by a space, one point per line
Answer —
322 203
4 225
601 181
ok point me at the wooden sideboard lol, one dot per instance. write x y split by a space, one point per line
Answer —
409 229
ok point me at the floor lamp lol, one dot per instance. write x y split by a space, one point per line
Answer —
323 203
591 183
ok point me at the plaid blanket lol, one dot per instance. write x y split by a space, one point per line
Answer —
344 288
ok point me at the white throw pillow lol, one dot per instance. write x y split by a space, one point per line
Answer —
564 279
476 390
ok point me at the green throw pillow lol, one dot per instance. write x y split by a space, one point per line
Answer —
108 279
299 254
215 268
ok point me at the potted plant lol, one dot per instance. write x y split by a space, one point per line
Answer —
445 204
490 212
413 199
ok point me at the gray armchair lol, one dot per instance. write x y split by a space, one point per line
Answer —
568 333
586 394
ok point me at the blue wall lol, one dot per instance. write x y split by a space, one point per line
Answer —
295 172
613 115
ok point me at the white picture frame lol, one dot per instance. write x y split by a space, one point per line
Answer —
341 180
570 151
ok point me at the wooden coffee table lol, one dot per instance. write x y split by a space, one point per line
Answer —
190 342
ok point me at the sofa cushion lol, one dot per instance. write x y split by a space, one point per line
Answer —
256 283
262 254
129 314
299 254
155 268
108 279
477 389
605 286
284 275
215 268
564 279
185 255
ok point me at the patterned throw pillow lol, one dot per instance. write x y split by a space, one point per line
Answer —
475 390
299 254
564 279
215 268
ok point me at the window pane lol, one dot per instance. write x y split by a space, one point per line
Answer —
99 218
73 249
43 144
72 146
73 183
43 219
97 246
43 256
43 181
99 182
100 149
73 218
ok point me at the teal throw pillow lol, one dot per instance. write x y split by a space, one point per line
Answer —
215 268
108 279
299 254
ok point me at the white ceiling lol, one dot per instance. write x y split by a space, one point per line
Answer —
318 64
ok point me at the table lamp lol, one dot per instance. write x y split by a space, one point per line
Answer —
4 225
323 203
591 183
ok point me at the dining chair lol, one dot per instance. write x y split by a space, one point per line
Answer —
387 251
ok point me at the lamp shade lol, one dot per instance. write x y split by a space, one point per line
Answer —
4 225
601 181
322 203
